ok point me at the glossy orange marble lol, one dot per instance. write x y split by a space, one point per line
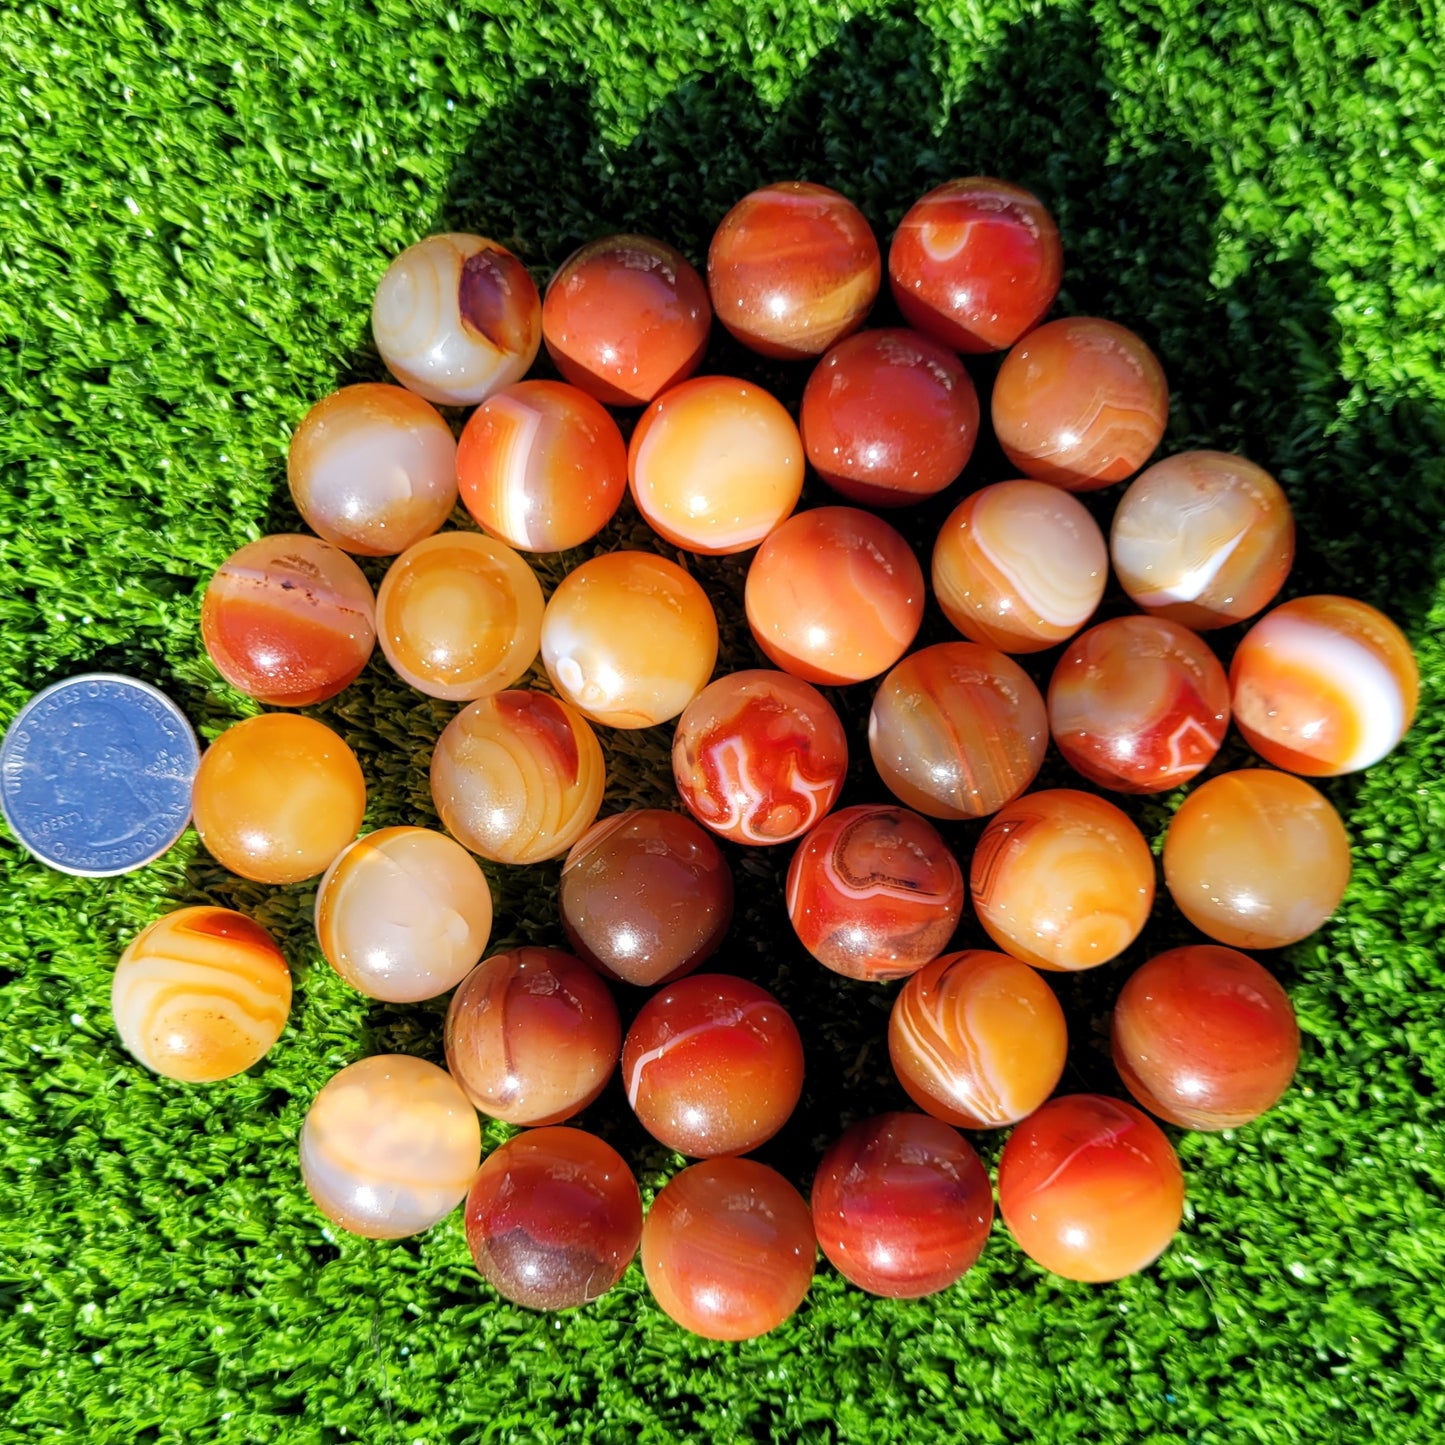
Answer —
976 262
626 317
403 914
389 1147
957 730
372 469
712 1065
629 639
792 268
1019 566
532 1036
1256 859
201 994
542 466
518 777
834 595
289 620
1324 685
277 797
977 1039
1139 704
889 417
1204 539
553 1219
728 1249
1080 404
1062 880
459 616
1205 1038
873 892
715 464
759 756
456 317
1090 1188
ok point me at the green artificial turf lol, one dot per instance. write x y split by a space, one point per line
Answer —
196 201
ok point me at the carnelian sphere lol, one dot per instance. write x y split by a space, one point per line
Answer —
626 317
1205 1038
1062 880
715 464
1019 566
532 1036
1090 1188
759 756
728 1249
389 1146
646 896
460 616
873 892
456 317
792 268
1138 704
1324 685
403 914
201 994
957 730
629 639
289 620
542 466
977 1039
889 417
976 263
277 797
902 1205
372 469
1256 859
835 595
713 1065
1204 539
518 777
553 1219
1080 403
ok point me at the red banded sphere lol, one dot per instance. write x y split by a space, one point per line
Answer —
713 1065
976 263
1205 1038
902 1205
792 268
889 417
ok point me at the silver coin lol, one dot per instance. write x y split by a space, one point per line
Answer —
96 774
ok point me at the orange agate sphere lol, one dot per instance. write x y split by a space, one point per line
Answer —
957 730
1256 859
835 595
289 620
277 797
629 639
372 469
728 1249
626 317
1204 539
1019 566
1062 880
792 268
1205 1037
460 616
1090 1188
518 777
1324 685
1080 403
542 466
715 464
977 1039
